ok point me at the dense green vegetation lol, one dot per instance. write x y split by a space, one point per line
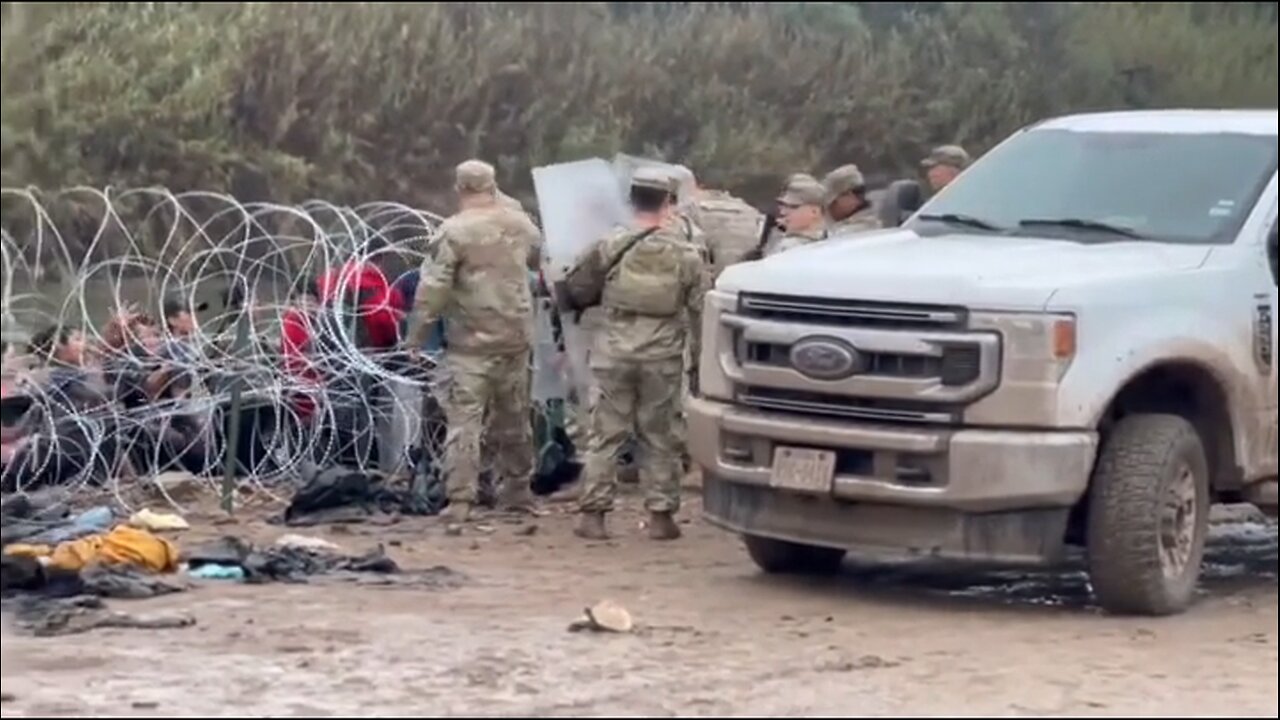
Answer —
378 101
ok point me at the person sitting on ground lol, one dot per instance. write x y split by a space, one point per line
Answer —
74 378
181 328
944 164
358 311
132 367
848 210
127 327
153 381
297 326
15 401
180 316
364 288
139 365
72 428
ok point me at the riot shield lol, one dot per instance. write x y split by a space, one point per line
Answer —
579 202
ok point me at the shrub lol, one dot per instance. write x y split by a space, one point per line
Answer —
358 101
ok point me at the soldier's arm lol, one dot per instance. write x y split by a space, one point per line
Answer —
698 283
702 241
434 289
534 237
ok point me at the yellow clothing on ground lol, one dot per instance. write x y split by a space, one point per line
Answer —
122 546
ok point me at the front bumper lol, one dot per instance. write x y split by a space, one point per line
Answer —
970 470
977 494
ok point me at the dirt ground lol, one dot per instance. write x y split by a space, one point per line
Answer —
714 637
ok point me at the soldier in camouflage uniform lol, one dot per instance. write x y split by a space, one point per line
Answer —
731 227
477 279
943 165
652 306
848 210
578 420
800 207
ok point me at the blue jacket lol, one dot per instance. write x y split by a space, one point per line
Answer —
407 285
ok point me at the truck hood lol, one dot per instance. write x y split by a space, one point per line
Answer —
992 272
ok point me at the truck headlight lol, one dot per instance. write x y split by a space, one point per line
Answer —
1038 347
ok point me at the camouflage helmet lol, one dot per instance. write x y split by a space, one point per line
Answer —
475 176
844 179
948 155
803 190
654 179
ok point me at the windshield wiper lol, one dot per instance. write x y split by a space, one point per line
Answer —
1080 224
966 220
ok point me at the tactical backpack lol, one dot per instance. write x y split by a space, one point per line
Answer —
648 283
583 286
731 226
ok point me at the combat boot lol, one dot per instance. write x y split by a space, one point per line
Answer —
518 499
662 526
591 527
456 513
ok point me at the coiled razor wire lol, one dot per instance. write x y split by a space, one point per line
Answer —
76 258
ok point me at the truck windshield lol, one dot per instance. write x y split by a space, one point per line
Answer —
1109 186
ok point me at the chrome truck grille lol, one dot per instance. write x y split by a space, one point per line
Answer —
869 361
832 406
850 313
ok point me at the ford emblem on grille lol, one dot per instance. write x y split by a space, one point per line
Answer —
824 358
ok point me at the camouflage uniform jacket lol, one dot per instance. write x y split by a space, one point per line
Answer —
794 240
689 228
731 226
478 280
628 335
865 220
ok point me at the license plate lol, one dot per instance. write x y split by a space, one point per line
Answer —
802 470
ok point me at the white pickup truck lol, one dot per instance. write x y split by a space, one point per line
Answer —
1072 344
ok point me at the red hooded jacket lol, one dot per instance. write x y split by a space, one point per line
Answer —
381 307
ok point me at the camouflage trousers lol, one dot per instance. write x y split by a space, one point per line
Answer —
489 401
577 424
578 420
641 399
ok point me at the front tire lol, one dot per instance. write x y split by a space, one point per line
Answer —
778 557
1148 516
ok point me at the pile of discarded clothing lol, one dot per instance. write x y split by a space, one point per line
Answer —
122 546
56 567
44 518
292 560
47 550
340 495
47 617
343 495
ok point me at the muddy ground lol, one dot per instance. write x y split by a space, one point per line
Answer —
714 637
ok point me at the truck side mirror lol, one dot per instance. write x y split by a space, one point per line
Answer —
1271 254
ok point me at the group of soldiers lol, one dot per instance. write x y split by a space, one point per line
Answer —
652 276
810 210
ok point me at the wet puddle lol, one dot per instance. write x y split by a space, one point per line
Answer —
1241 554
